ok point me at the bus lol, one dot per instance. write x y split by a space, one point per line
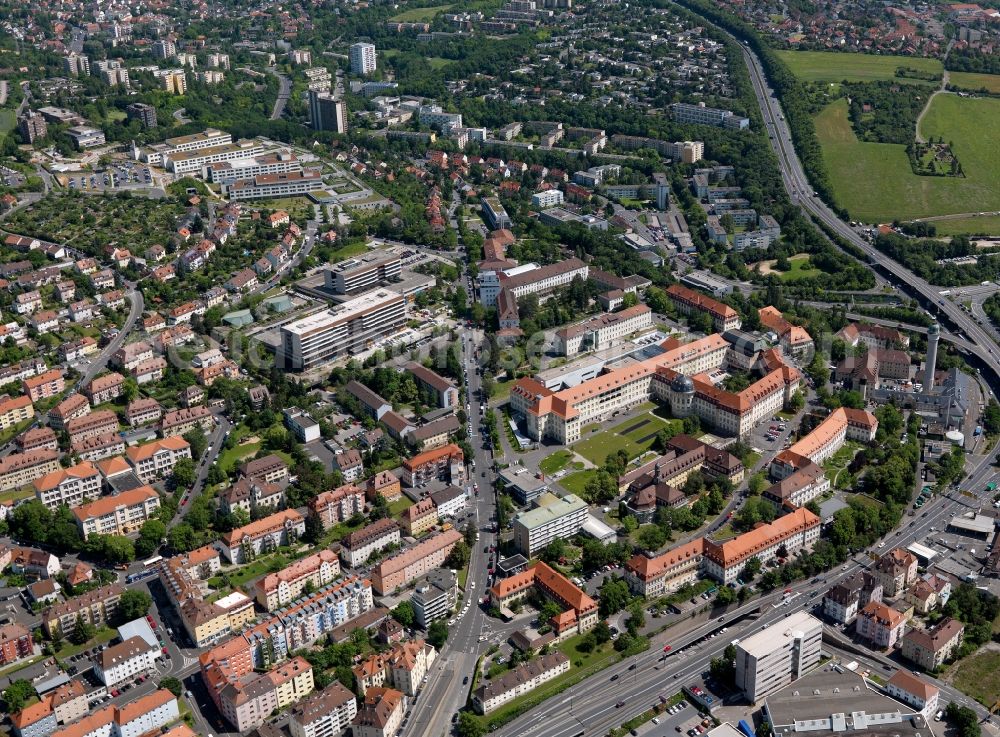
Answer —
152 561
745 728
991 486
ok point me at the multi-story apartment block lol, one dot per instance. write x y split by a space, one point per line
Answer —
654 577
145 114
43 386
896 570
449 501
358 547
326 713
32 126
271 469
327 112
701 115
72 407
931 647
96 607
526 677
105 388
277 589
69 702
880 624
143 411
399 570
441 390
125 661
846 598
769 660
21 469
92 425
15 643
14 411
362 57
38 438
98 448
420 517
403 667
131 355
120 514
446 464
244 543
339 505
349 463
350 328
70 486
180 421
381 714
435 598
385 484
495 214
156 459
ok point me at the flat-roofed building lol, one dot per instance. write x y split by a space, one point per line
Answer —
285 184
363 273
554 518
119 514
350 328
227 172
435 598
194 160
771 659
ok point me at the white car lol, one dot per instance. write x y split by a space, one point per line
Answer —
472 585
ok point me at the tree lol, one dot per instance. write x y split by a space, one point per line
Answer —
17 695
314 528
130 390
83 631
757 483
183 473
151 534
651 537
636 617
752 568
173 685
602 632
437 633
198 442
555 550
614 596
725 597
182 538
404 614
133 604
458 558
469 725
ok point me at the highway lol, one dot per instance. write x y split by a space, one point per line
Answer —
798 186
590 706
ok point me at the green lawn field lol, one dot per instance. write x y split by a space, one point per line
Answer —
635 436
801 269
831 66
419 15
973 81
8 120
968 226
874 182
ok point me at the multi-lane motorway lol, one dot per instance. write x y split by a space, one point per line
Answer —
798 186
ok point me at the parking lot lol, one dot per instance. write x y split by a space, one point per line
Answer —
118 175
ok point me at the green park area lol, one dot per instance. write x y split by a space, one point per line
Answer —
831 66
973 225
975 81
635 436
556 462
7 120
979 677
577 481
420 15
875 183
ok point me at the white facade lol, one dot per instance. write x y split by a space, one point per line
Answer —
548 198
363 58
771 659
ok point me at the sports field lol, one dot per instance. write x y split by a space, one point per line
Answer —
973 81
874 180
830 66
8 120
419 15
636 436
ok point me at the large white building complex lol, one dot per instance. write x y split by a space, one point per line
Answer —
773 658
678 376
603 331
553 518
263 186
350 328
187 162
